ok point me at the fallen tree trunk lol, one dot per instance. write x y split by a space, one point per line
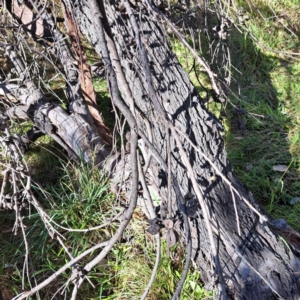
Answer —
255 262
234 244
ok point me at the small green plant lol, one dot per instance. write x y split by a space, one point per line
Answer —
82 197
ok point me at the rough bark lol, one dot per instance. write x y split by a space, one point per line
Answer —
256 264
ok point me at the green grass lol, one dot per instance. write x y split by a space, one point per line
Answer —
270 94
81 199
133 263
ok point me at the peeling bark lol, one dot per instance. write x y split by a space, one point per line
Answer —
85 77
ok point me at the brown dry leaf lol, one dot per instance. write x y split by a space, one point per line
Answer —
25 16
171 237
168 223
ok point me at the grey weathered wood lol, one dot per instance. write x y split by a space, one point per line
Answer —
71 130
255 264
